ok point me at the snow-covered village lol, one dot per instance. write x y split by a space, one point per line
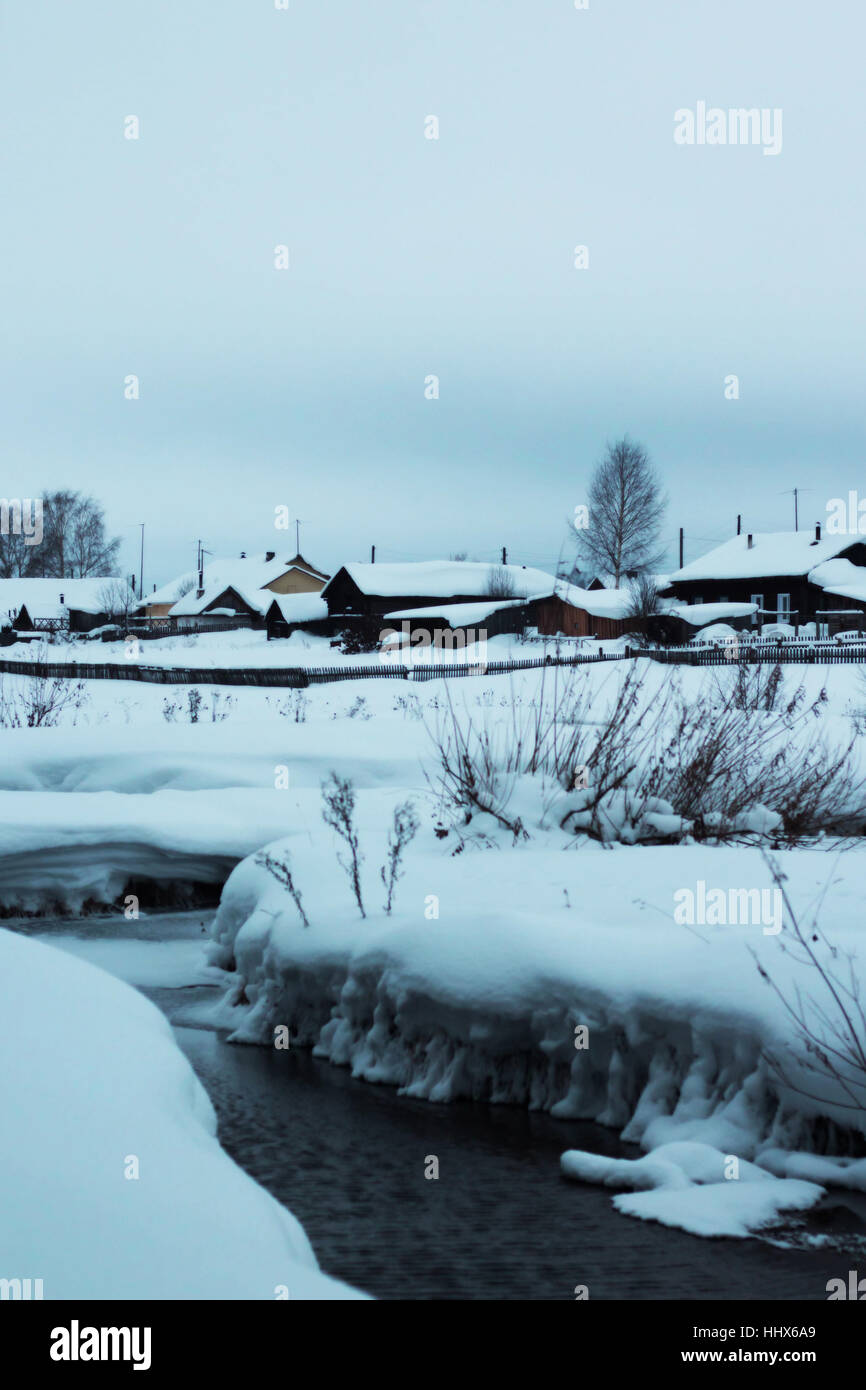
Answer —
432 728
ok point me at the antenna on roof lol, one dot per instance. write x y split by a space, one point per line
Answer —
681 547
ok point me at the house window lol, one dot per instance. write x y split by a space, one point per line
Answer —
697 599
723 599
823 631
759 600
783 608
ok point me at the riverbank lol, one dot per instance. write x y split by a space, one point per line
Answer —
348 1159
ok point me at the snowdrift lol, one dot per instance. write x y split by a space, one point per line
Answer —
486 1000
93 1080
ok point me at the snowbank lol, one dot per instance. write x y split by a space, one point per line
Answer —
98 1086
485 1000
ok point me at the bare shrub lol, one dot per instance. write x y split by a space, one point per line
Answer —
480 765
293 707
829 1019
338 794
40 702
709 757
403 831
281 870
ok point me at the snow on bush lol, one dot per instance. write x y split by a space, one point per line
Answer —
744 757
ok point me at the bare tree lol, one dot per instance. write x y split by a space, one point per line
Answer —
626 506
117 599
644 604
74 543
16 555
500 583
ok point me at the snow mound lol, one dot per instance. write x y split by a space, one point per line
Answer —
100 1090
695 1187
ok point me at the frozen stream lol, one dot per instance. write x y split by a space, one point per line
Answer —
349 1159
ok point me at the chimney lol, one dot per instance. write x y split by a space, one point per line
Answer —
749 541
61 598
817 530
269 555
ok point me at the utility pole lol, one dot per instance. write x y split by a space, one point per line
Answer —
372 554
796 491
681 547
141 565
297 536
504 556
739 524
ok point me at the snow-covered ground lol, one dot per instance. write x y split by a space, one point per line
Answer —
248 647
498 947
527 946
114 1183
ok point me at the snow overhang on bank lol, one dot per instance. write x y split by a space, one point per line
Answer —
485 999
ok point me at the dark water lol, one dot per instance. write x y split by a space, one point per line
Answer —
499 1222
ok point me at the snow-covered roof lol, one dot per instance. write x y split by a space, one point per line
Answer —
300 608
699 614
599 603
44 595
249 574
841 577
443 578
456 614
661 580
259 600
771 553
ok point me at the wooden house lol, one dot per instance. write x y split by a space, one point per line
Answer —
787 576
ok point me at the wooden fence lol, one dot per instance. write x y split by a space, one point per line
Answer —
298 677
295 677
785 653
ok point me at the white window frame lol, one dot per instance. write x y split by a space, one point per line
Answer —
783 608
759 600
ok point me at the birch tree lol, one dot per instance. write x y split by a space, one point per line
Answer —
626 506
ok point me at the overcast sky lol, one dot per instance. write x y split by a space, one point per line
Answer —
304 387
